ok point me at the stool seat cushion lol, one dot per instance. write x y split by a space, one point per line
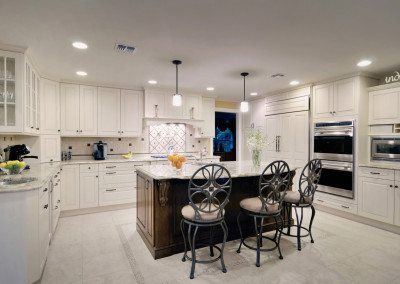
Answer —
188 213
254 204
294 197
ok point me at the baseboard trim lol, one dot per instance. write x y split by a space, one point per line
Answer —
360 219
82 211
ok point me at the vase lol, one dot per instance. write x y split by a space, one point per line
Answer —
256 158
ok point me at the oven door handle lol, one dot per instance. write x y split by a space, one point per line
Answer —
335 167
334 133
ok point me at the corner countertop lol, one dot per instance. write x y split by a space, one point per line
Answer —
42 172
236 169
381 165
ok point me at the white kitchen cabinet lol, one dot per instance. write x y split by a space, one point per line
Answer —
89 189
207 128
50 107
192 106
50 148
32 99
384 106
273 129
376 199
70 187
70 100
55 201
109 119
257 114
335 99
131 116
155 104
44 228
397 200
87 110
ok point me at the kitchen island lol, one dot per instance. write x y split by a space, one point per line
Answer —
162 192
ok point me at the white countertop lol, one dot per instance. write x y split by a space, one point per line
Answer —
381 165
236 169
42 172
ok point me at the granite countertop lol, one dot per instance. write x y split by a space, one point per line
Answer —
122 160
381 165
42 172
236 169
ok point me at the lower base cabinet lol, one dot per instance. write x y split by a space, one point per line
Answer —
70 187
44 228
144 208
88 186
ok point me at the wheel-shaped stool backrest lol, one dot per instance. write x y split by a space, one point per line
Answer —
309 179
209 190
274 181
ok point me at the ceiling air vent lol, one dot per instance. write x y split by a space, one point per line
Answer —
123 48
277 75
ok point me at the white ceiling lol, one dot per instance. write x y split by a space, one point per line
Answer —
308 40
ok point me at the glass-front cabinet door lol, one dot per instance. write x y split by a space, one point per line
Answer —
9 92
32 114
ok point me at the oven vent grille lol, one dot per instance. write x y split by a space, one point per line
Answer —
124 48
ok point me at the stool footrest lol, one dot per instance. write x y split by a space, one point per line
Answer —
261 249
295 235
207 261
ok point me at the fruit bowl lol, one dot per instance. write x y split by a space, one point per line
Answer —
177 161
12 167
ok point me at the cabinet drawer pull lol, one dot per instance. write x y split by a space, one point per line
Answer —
56 184
58 201
111 173
345 207
110 167
113 189
396 186
391 185
46 189
320 200
374 173
56 207
46 206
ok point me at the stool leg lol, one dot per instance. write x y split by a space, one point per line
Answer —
279 237
277 228
193 253
211 241
298 224
258 235
240 231
184 240
225 229
289 212
261 231
311 222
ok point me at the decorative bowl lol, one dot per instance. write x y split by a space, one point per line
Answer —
12 167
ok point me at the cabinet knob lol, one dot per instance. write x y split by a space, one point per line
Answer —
390 185
77 130
59 130
46 206
396 186
122 131
46 189
37 128
56 207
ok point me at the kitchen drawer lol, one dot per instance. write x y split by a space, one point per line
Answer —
128 166
117 195
113 178
342 206
376 173
89 168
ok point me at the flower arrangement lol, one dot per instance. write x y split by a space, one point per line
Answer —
256 140
12 167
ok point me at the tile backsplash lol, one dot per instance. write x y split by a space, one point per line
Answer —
159 135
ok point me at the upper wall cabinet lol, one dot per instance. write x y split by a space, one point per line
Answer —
335 99
50 106
32 100
11 91
207 128
78 110
155 104
192 106
119 112
384 106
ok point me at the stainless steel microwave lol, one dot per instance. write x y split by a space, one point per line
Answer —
385 148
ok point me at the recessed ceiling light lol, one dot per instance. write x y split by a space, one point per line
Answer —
253 94
294 82
210 89
79 45
364 63
81 73
152 82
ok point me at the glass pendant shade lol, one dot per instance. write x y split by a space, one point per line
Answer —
177 100
244 106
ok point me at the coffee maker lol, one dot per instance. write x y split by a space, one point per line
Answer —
18 152
100 150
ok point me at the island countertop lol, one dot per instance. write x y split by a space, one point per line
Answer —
236 169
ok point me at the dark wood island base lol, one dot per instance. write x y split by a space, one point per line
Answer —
159 204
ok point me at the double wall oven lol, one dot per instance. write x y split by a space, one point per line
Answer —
334 145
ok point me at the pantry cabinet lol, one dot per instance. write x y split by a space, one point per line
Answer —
70 187
384 106
50 107
335 99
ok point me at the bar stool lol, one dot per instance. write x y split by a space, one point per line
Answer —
273 184
209 190
303 198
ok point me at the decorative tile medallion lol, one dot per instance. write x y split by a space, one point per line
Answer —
163 136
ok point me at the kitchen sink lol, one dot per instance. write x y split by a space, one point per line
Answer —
16 181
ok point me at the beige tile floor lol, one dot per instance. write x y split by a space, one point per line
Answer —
105 248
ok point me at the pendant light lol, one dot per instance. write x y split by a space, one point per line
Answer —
176 98
244 106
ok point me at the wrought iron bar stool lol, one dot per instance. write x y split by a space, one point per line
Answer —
209 190
273 183
303 198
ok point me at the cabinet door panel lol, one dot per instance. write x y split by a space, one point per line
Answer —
131 123
192 106
208 115
70 187
153 99
377 199
88 110
273 125
141 200
89 190
285 136
323 100
397 204
384 107
69 109
300 138
50 148
345 97
109 119
50 107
